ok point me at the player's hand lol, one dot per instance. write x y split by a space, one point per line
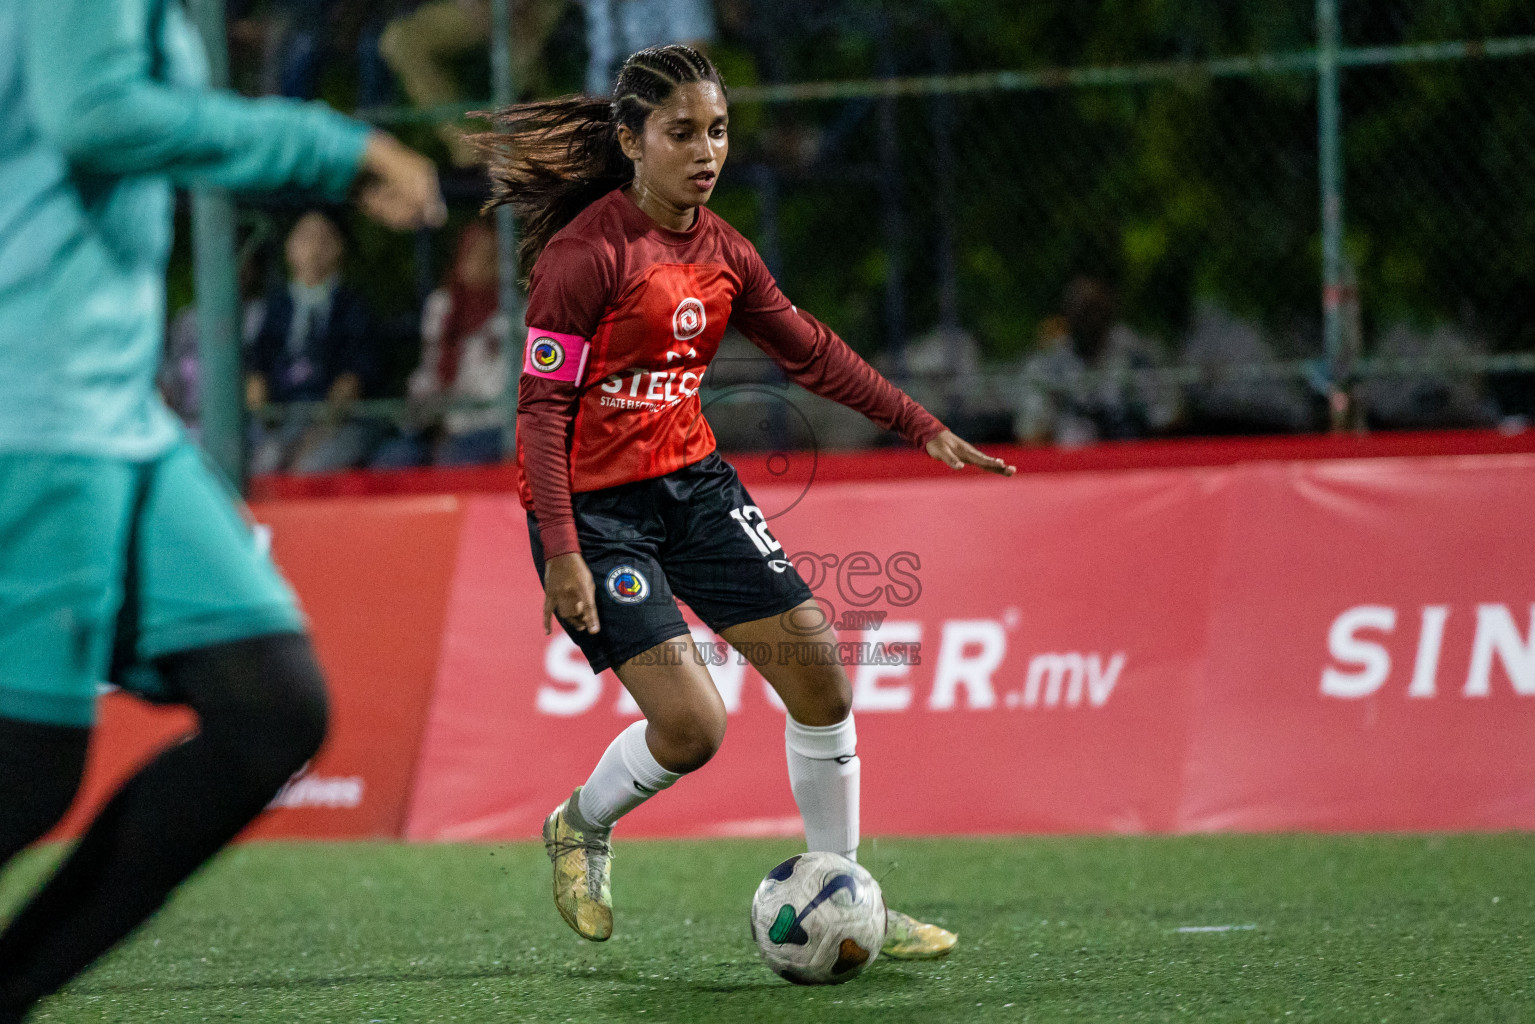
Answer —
570 592
957 453
398 186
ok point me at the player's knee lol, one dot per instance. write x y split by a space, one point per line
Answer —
262 701
826 700
295 721
279 744
689 742
837 700
300 722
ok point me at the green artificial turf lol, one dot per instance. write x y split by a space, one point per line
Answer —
1335 929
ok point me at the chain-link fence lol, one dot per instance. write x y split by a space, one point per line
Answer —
1110 218
1441 227
943 217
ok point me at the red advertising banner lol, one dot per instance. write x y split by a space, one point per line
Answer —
1372 650
1042 678
373 577
911 463
1326 644
1329 645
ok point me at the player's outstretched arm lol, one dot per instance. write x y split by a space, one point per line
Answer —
823 364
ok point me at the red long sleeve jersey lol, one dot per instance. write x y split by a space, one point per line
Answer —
623 318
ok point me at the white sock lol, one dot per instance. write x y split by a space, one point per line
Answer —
823 772
626 776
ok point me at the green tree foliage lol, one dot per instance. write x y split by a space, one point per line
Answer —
1189 188
1192 187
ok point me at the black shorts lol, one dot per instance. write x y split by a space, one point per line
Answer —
695 534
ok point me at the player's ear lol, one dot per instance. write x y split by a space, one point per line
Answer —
629 142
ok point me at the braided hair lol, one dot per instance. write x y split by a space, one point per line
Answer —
551 159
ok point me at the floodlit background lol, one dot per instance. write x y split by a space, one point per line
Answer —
1220 710
1052 223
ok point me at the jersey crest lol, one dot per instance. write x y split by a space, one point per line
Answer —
689 319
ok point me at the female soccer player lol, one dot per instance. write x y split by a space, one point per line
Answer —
121 554
632 283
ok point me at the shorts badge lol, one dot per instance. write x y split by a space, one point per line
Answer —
628 585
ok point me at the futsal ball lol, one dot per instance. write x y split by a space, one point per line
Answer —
818 919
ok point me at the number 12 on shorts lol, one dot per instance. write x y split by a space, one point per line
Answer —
758 531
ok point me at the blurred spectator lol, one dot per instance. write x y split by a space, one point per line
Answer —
423 47
302 50
180 376
617 28
375 81
314 345
180 379
289 41
1229 399
944 362
942 370
1434 395
1091 380
463 357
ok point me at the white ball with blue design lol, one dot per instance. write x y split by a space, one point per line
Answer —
818 919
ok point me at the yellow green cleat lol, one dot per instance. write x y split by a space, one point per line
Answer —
906 938
582 856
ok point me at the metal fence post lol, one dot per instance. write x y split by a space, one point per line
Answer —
1330 174
892 217
217 286
940 117
504 93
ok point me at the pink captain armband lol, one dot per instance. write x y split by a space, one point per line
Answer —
555 356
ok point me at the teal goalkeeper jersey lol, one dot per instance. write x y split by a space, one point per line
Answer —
104 110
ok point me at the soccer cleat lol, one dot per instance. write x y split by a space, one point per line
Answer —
906 938
581 854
